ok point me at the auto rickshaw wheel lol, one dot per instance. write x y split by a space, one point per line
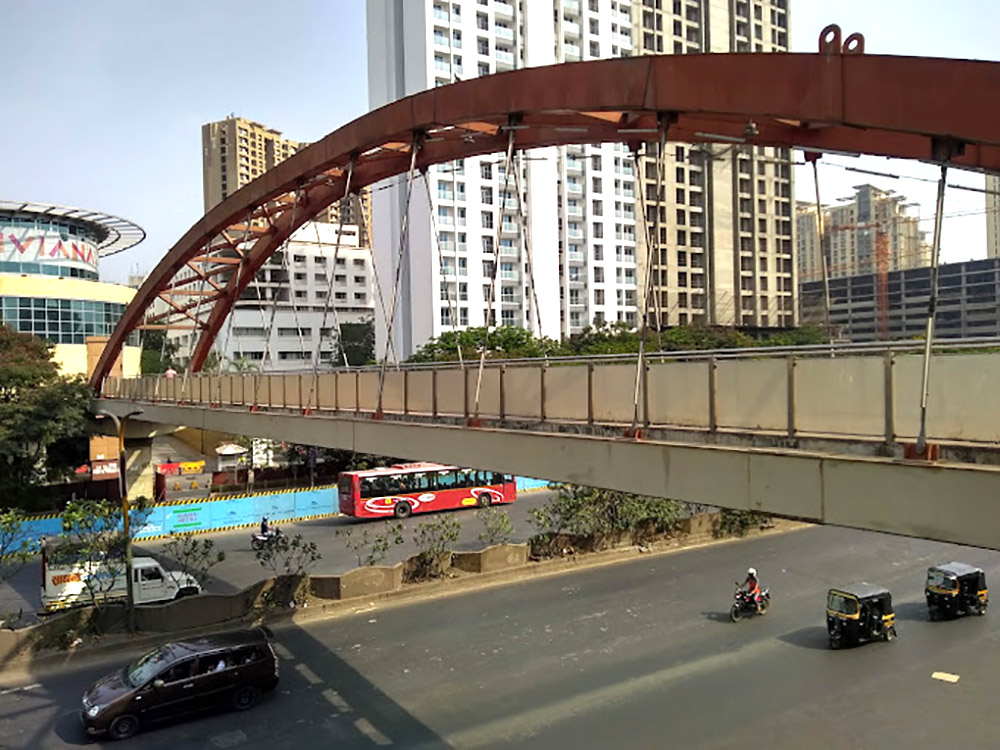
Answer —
890 634
980 609
735 613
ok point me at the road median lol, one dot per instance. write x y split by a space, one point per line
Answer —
55 643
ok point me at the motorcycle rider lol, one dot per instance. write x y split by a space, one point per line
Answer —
753 586
263 526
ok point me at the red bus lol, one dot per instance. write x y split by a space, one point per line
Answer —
402 489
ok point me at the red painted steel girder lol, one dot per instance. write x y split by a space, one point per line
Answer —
909 107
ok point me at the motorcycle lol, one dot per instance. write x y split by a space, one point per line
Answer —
745 606
259 541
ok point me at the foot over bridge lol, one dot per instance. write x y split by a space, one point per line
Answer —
805 435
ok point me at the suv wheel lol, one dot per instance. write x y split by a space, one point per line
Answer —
123 727
245 697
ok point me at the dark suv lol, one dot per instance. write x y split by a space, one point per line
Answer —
227 669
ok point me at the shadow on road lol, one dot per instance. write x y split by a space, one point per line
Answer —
717 616
812 637
322 700
912 611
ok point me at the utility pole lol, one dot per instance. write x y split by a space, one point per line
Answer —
126 525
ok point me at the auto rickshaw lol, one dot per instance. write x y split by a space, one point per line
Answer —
859 613
956 588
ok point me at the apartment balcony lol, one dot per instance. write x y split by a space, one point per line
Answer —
511 204
509 228
510 299
574 188
462 247
574 165
624 18
574 211
505 60
571 29
447 246
510 274
505 34
574 234
441 15
571 52
502 9
571 7
576 257
509 252
577 303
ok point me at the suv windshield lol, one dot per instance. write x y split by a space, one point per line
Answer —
142 671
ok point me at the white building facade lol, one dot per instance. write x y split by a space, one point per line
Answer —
578 202
992 216
289 309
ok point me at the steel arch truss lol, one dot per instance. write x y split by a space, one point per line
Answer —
838 100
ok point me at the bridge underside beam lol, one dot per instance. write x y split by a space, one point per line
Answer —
932 501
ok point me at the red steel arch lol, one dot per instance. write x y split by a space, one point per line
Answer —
838 100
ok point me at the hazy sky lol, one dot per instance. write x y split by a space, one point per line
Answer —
104 99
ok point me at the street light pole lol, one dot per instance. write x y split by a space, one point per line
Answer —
123 491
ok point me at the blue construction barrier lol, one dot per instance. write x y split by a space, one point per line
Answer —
226 513
524 484
231 512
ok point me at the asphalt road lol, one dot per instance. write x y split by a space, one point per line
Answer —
240 568
632 655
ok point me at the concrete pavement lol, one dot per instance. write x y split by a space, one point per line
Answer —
634 655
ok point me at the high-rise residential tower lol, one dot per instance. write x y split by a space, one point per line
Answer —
726 251
237 150
578 202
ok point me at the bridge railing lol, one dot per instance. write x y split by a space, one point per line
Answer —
867 395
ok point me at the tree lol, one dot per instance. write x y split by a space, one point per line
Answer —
370 546
44 417
15 547
506 342
288 557
357 340
433 540
194 556
94 540
158 352
497 528
739 522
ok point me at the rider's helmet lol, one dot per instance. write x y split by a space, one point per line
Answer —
752 572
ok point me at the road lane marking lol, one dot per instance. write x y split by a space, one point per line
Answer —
365 727
8 691
304 670
333 697
945 677
283 652
229 739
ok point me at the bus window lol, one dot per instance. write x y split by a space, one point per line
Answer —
445 480
367 487
419 482
497 478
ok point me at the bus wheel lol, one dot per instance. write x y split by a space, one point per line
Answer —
402 509
485 501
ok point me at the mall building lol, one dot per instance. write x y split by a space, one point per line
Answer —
49 284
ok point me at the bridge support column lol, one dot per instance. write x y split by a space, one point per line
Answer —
139 471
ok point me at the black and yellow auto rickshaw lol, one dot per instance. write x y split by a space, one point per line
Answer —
955 588
859 613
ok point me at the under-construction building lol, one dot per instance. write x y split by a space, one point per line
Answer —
851 230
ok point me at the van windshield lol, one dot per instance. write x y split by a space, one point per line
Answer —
142 671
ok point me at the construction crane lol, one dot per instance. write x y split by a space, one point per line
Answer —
881 271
